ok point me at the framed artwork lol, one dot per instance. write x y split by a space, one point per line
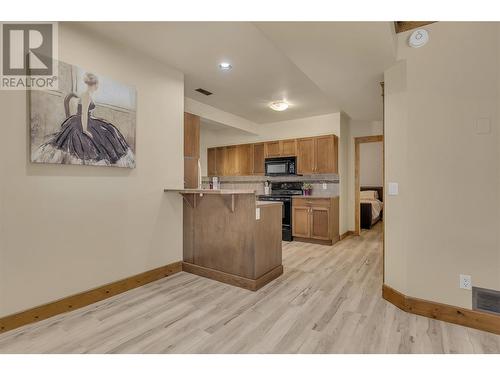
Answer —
89 120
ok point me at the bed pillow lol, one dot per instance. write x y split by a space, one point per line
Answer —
370 195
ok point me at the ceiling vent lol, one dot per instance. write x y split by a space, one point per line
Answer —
486 300
204 92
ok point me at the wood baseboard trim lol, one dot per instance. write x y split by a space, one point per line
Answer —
88 297
346 234
315 241
231 279
447 313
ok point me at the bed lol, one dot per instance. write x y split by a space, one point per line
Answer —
371 205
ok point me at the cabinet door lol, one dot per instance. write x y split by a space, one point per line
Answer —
191 135
272 149
231 160
320 223
190 173
220 161
301 223
258 158
211 162
305 155
244 160
289 147
325 155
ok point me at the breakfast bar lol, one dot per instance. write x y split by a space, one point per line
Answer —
231 237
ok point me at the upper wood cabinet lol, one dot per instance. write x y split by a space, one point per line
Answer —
314 155
191 135
305 155
191 149
258 159
220 161
280 148
317 155
211 162
272 149
325 155
289 147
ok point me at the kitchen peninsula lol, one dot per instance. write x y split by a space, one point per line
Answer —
231 237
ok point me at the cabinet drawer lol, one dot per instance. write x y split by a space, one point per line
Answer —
311 201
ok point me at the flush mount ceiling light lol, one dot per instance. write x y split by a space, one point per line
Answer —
418 38
280 105
225 66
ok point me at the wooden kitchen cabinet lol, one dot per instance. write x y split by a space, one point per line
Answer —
220 161
315 219
191 149
191 135
289 147
314 155
325 154
272 149
258 159
305 155
317 155
212 161
301 222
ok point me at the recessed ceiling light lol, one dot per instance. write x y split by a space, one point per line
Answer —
225 66
280 105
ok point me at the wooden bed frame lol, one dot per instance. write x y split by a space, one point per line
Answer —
365 209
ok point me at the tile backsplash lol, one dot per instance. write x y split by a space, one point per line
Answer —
330 181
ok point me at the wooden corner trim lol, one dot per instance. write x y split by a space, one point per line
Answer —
440 311
88 297
235 280
402 26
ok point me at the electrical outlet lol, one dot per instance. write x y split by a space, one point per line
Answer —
465 282
324 186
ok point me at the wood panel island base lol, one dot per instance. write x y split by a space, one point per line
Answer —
230 237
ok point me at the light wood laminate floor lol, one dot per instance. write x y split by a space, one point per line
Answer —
327 301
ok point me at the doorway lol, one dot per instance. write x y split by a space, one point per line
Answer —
358 141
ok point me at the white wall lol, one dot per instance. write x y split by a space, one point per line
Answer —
445 220
371 168
66 229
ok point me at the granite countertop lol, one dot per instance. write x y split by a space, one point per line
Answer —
211 191
315 196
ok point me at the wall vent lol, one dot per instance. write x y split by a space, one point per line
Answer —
204 92
486 300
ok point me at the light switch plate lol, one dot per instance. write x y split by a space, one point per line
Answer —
257 214
325 186
483 126
393 188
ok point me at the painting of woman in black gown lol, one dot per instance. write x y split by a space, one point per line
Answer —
83 137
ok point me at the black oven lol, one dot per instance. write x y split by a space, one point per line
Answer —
280 166
283 192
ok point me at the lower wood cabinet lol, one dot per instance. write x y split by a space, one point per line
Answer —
315 219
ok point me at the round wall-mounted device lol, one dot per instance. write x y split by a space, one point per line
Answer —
418 38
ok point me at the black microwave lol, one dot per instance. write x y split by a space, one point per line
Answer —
281 166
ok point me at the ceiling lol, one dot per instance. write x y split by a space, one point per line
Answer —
318 68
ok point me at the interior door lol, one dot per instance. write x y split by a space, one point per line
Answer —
305 155
301 224
320 223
